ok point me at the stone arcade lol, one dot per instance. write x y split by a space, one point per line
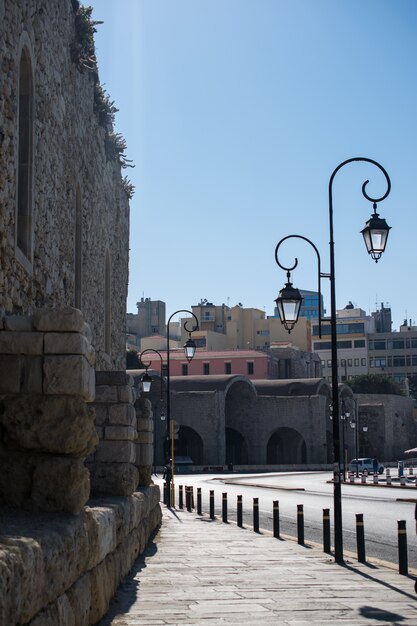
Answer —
77 502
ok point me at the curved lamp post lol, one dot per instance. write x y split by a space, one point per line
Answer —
189 351
375 234
146 381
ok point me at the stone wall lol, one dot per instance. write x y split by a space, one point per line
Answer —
72 150
64 570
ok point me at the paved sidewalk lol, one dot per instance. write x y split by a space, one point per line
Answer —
202 571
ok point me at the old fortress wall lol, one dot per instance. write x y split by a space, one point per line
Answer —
77 504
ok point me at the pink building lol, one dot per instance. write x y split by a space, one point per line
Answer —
253 364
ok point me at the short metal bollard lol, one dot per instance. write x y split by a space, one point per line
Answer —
239 512
402 481
352 477
165 493
326 531
211 504
375 479
256 515
363 479
180 497
224 508
402 548
389 478
300 524
360 538
199 507
410 471
275 510
188 498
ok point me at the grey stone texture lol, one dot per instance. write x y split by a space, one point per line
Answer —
70 152
64 570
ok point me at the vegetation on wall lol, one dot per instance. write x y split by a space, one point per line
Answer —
83 55
374 383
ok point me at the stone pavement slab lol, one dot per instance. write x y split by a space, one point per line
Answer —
201 571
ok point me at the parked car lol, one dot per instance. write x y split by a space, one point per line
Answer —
365 464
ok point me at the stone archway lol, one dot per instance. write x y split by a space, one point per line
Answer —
286 447
189 443
236 448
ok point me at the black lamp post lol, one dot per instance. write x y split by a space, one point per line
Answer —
146 381
189 351
375 235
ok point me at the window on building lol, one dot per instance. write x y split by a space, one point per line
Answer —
411 343
359 343
363 362
24 222
323 363
184 369
250 368
349 362
356 362
398 361
206 368
78 250
395 344
227 368
379 362
329 362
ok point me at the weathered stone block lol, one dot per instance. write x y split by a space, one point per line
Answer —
143 408
116 479
65 319
101 412
53 424
60 484
116 451
122 414
31 374
145 437
144 454
18 322
15 342
145 424
10 368
68 375
114 378
127 394
65 343
105 393
120 433
79 597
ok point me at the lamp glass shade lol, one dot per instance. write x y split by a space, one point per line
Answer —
288 304
189 349
365 428
375 235
146 383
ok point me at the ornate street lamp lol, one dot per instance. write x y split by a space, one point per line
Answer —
288 303
189 351
146 382
375 235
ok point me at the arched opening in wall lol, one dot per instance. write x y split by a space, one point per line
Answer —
236 448
286 447
107 304
24 211
189 444
78 251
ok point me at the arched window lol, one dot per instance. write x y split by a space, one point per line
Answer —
107 305
78 251
24 221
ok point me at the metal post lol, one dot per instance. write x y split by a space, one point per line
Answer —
239 512
224 508
276 518
300 524
188 498
199 508
402 548
360 538
211 504
256 515
180 497
326 531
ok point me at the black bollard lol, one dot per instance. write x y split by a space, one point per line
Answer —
239 512
224 508
275 509
402 548
326 531
211 504
256 515
199 509
165 493
188 498
360 538
180 497
300 524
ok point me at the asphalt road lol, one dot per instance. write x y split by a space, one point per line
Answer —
381 507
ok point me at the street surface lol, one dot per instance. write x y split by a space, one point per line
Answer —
381 507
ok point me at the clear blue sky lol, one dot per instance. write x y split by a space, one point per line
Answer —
235 113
